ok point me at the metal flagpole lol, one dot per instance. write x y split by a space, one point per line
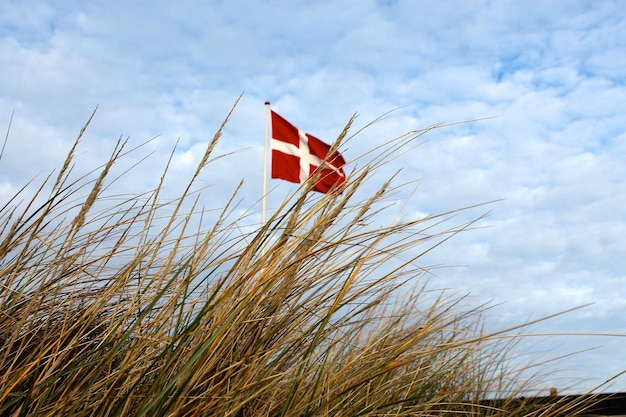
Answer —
265 157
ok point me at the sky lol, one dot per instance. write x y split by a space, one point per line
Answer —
549 78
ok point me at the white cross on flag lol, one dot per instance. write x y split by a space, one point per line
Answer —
296 156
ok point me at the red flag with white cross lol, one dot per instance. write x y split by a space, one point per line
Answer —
296 156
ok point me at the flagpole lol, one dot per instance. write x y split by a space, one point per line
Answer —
265 157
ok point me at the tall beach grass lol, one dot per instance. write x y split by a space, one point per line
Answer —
135 307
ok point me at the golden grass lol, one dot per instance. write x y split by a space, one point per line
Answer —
137 309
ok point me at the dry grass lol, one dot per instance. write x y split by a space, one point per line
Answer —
137 309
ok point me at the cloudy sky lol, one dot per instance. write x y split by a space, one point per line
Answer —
554 74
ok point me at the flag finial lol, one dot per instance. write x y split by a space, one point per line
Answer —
267 103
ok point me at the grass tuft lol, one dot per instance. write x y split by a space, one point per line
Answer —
131 307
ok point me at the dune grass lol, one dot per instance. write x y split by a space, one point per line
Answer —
136 308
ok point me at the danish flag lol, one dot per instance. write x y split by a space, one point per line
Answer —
296 156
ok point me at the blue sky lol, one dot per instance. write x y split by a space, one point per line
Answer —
552 72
